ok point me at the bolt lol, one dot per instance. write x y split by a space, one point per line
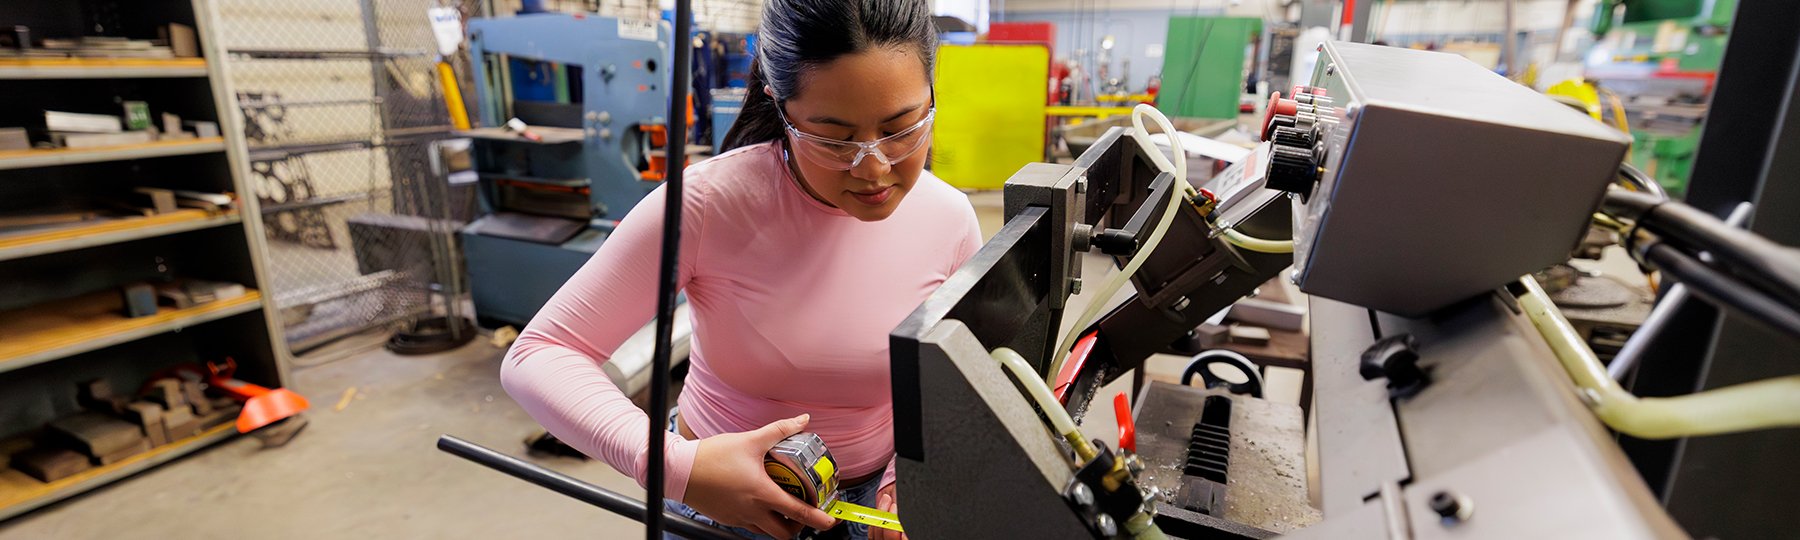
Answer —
1081 185
606 134
1134 464
1075 286
1452 508
1225 225
1107 527
1182 303
1081 494
605 118
1331 69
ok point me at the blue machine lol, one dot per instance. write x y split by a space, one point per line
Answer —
549 203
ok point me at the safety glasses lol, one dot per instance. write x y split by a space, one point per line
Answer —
845 155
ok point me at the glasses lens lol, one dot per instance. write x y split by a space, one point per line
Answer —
902 145
826 154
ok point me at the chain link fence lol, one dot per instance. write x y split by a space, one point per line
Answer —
342 113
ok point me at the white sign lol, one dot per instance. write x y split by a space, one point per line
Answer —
638 30
446 24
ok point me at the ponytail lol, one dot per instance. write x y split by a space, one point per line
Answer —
757 122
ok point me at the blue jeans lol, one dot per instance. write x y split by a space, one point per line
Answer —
863 494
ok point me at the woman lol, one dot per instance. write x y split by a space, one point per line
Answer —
802 248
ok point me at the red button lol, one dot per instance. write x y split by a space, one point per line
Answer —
1277 105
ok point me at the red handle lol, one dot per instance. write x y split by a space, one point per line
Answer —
1127 430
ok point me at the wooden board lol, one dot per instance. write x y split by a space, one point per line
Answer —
45 157
105 226
95 63
18 488
69 323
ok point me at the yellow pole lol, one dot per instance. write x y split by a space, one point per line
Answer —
459 116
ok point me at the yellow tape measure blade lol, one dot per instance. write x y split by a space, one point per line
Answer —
862 514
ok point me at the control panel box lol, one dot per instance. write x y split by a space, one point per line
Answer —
1423 179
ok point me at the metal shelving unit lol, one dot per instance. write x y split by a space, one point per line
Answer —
81 330
20 494
60 323
99 68
34 158
109 232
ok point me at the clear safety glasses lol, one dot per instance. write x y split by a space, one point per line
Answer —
845 155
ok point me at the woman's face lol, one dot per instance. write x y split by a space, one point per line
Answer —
862 97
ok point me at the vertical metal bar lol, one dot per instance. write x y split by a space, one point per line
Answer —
1721 486
237 151
671 254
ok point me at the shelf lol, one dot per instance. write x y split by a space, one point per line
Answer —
26 159
20 493
42 333
551 135
110 231
101 68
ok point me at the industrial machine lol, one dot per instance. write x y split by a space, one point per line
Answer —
1451 399
1407 232
584 91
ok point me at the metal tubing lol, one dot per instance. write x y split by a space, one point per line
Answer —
1659 316
579 490
676 145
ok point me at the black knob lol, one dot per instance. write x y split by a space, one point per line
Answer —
1397 359
1445 504
1282 120
1292 136
1292 168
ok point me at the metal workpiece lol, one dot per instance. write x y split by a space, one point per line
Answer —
1002 296
1058 189
988 466
1456 181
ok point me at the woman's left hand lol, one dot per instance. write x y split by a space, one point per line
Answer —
885 501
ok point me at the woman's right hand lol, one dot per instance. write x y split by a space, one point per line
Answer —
729 485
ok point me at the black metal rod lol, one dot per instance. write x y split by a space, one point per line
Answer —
579 490
676 163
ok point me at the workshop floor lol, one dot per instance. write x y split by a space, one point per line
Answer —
367 466
366 470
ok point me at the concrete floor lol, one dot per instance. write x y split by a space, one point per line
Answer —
369 470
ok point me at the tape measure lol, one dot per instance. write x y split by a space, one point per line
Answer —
802 466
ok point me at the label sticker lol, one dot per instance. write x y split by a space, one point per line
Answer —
638 30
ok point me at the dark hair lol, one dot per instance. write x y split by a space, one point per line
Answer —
799 35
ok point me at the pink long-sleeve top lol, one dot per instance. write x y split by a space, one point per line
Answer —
792 303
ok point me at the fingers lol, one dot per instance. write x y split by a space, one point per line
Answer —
774 525
782 429
884 502
798 510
